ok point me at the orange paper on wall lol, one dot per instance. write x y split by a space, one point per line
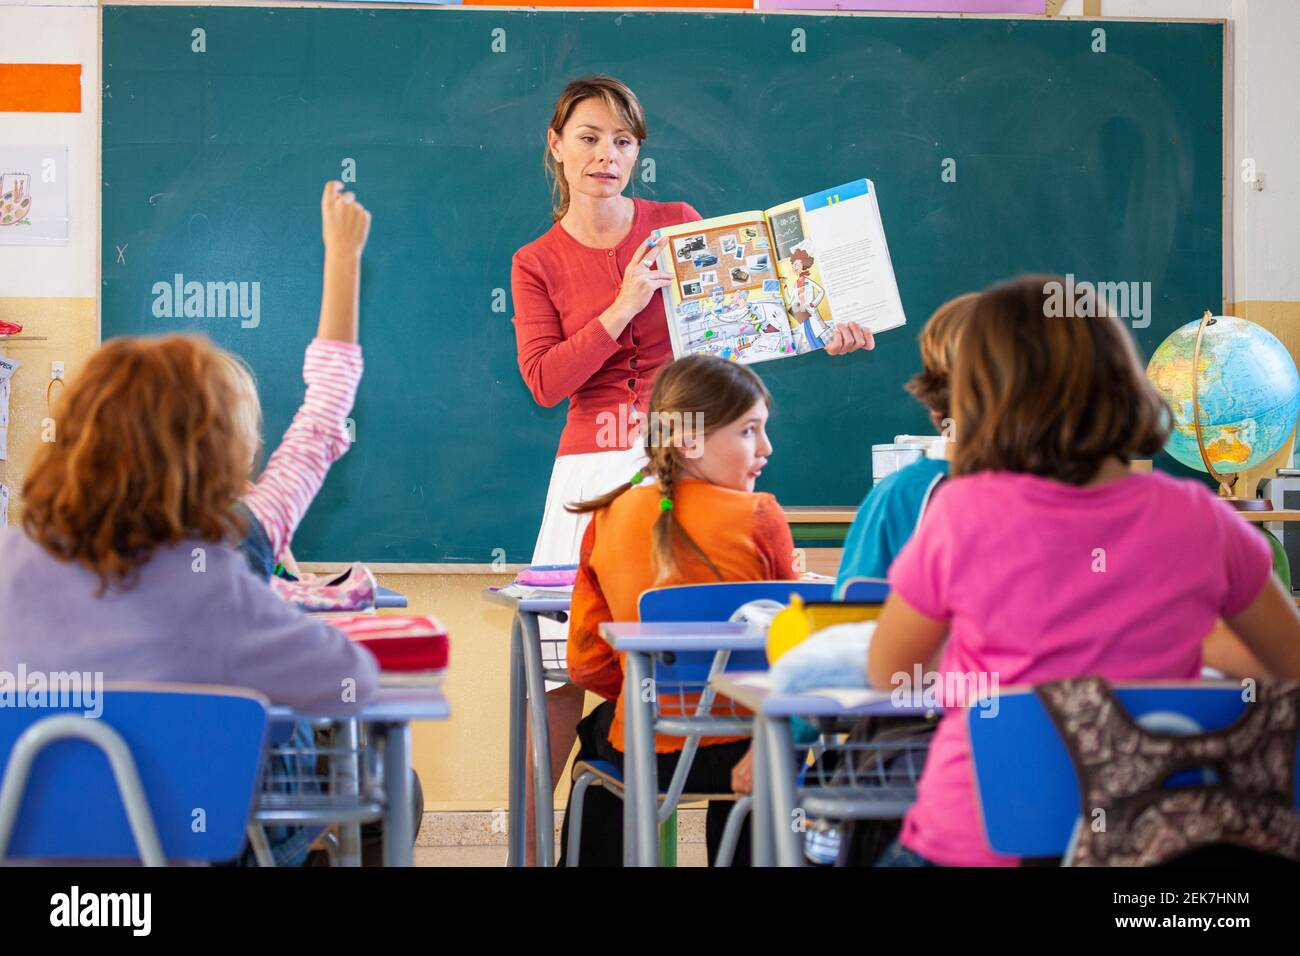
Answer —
40 87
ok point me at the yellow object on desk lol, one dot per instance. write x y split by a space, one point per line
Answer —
801 620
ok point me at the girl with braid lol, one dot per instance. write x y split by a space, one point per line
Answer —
689 515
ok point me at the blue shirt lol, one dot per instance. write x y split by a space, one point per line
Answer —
886 519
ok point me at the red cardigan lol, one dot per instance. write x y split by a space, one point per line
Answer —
560 286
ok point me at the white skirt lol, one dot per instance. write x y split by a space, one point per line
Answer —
575 478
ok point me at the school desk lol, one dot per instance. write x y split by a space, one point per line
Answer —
776 803
641 641
528 677
386 724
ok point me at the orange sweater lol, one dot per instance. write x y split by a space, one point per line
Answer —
743 533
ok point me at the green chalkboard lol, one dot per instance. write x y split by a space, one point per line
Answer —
1107 165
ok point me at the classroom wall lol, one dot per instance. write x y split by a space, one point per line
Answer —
51 289
1263 270
463 763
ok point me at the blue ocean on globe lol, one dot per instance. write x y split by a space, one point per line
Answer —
1248 388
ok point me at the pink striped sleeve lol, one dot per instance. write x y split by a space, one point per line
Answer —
316 438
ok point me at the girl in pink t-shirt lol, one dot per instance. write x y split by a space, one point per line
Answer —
1046 558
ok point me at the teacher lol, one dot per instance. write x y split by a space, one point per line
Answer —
590 326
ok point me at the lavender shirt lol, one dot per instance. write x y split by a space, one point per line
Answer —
217 625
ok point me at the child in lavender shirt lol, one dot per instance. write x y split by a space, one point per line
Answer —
126 564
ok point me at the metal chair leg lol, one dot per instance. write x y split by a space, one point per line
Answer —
261 849
576 797
731 834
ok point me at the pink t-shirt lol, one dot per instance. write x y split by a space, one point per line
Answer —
1039 580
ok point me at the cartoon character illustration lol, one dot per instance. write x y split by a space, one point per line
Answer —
805 297
719 295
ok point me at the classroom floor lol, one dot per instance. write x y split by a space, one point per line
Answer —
688 854
468 839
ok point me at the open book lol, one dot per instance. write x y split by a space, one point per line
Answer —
756 286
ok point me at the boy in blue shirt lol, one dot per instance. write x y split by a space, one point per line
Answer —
892 509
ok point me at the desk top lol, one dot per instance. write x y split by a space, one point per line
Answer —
535 605
1281 514
820 514
391 705
681 636
753 690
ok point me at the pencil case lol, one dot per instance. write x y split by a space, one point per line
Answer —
551 577
400 644
353 590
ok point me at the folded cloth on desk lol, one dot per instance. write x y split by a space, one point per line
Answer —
835 656
406 645
525 592
547 577
353 590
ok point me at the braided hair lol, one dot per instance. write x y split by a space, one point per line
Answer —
692 397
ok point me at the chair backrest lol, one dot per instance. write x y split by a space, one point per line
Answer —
871 590
717 602
198 754
1026 785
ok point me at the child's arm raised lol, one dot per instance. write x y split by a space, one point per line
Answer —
332 367
345 225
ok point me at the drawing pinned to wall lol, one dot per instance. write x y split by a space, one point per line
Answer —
33 195
7 368
4 505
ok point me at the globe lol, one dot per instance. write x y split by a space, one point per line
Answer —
1247 386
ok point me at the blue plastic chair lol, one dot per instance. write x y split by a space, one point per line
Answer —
1027 787
869 590
166 772
692 602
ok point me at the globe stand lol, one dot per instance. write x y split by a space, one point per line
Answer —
1226 482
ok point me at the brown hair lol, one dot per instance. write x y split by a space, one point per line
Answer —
804 256
716 390
1048 394
938 344
149 450
618 97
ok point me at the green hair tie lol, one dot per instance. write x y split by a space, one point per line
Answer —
665 504
637 478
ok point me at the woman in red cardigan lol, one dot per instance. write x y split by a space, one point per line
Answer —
590 327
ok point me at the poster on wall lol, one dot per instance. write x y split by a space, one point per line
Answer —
7 368
33 195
